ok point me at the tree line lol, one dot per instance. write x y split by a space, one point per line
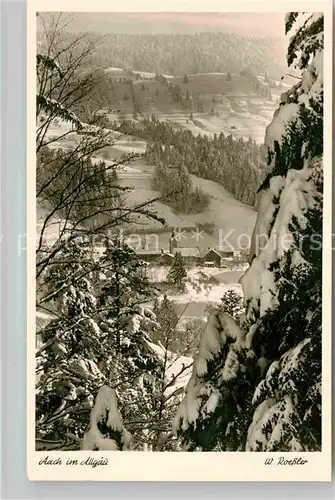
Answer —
177 54
234 163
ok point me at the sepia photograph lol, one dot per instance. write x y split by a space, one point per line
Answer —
179 232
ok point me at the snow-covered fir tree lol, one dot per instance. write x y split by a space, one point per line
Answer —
171 345
284 305
167 318
68 375
215 414
132 367
106 430
232 304
256 386
178 273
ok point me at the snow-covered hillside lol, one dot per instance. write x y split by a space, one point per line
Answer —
138 176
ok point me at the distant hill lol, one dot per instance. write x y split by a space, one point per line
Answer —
177 54
192 53
241 23
216 104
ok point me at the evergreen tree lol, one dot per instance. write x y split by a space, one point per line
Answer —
167 319
185 79
234 163
68 373
232 304
256 386
106 430
216 411
287 328
178 273
132 367
229 77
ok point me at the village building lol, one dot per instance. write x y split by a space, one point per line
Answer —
226 252
211 256
215 257
165 259
191 256
159 258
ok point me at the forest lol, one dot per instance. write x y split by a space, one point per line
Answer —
234 163
177 54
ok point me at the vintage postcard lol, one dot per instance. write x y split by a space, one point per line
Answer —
179 256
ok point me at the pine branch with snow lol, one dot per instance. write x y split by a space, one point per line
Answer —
283 286
213 415
106 430
256 386
67 361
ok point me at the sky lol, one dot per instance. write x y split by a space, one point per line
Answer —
243 24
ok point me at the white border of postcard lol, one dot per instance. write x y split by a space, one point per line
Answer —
178 466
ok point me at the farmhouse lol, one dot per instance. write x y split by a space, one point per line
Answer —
212 256
226 252
161 258
191 256
215 257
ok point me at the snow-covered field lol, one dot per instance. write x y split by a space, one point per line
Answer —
138 176
196 298
240 118
201 293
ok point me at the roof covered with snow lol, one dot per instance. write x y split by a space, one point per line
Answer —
189 252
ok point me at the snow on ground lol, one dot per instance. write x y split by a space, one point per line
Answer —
157 274
138 147
222 205
112 69
203 293
148 75
196 273
142 74
205 74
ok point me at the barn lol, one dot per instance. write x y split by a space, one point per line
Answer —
191 256
216 257
155 257
212 256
